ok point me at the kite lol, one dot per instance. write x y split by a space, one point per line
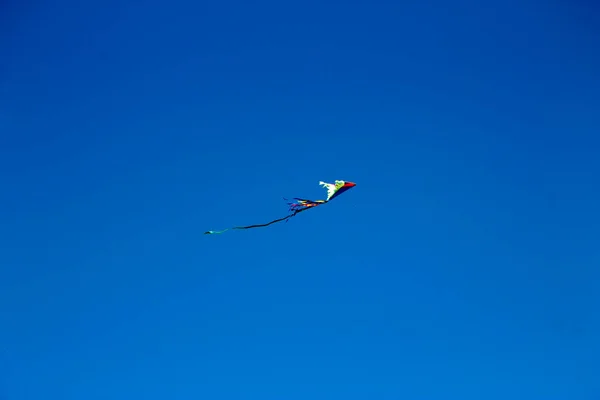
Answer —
300 205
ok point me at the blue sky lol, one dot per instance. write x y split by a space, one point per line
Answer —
464 265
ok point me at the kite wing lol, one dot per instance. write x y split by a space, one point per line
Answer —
299 205
337 188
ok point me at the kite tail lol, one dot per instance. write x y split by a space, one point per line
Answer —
287 217
295 208
303 204
216 232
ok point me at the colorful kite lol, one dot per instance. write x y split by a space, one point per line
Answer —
299 205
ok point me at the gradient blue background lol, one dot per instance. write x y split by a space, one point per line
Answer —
464 265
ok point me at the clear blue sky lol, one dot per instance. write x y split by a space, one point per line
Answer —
463 265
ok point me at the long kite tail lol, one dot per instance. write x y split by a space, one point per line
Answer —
293 212
254 226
